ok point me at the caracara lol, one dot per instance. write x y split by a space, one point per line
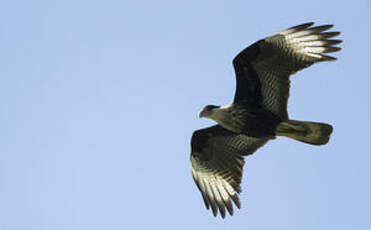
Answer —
258 112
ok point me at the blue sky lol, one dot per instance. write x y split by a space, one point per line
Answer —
98 100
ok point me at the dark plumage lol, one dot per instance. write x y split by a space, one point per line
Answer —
258 112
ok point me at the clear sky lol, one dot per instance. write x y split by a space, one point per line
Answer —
98 101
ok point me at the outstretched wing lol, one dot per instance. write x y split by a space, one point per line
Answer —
263 69
217 164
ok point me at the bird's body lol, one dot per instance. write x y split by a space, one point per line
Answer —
253 122
258 112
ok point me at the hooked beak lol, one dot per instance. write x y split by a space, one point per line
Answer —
204 113
201 115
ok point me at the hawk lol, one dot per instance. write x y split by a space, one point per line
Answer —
258 112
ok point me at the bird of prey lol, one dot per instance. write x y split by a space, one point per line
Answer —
258 112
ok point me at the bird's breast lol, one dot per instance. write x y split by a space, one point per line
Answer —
233 119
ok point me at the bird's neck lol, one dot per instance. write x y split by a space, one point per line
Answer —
228 117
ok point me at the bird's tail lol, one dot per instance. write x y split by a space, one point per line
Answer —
309 132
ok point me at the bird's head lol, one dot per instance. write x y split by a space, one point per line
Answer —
208 111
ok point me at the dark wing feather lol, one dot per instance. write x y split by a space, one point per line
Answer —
217 164
263 69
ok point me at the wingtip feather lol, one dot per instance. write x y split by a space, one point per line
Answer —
310 43
301 26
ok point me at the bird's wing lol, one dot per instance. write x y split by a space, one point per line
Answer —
263 69
217 164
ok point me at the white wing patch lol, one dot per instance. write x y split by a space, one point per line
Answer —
304 40
217 191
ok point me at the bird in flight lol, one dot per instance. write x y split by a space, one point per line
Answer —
258 112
